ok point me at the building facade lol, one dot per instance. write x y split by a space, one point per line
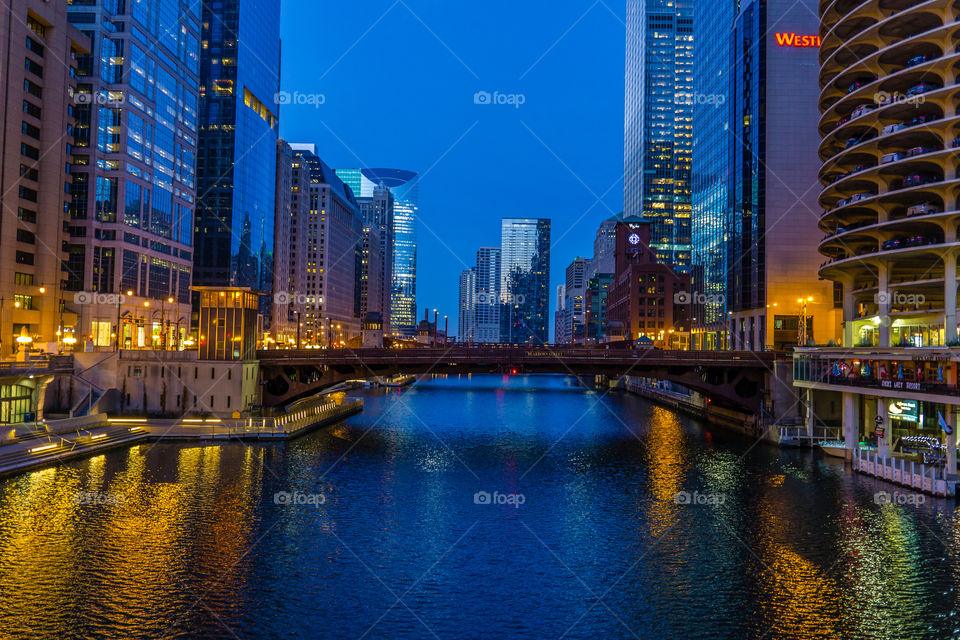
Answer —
595 304
467 319
712 115
37 98
405 187
326 252
889 201
282 327
240 82
134 184
772 288
524 280
571 310
376 210
658 123
400 214
489 300
646 300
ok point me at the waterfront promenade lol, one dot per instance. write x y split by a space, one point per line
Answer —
46 443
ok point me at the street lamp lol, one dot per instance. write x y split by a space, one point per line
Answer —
119 328
146 305
164 325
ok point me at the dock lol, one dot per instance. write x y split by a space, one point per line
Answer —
57 441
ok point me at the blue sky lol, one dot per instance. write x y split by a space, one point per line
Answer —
398 80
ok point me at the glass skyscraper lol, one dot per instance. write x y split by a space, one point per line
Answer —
524 280
240 82
711 170
658 123
755 200
488 294
405 186
134 186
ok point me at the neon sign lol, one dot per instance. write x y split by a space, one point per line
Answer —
795 40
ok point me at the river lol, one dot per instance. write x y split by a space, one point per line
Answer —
476 507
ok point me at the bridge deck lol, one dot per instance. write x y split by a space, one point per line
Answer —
541 356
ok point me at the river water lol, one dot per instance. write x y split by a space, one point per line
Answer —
476 507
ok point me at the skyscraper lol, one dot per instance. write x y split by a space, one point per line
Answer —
524 280
240 81
467 307
488 294
37 95
326 238
282 324
658 122
772 228
134 185
405 190
571 310
711 170
405 186
376 204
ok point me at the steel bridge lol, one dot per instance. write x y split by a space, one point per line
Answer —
735 379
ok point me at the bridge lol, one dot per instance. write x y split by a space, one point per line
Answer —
735 379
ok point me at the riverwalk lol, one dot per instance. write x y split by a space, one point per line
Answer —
50 443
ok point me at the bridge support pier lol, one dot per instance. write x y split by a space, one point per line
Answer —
851 421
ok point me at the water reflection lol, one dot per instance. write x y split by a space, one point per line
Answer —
186 541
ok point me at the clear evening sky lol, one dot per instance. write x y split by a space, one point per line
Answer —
398 80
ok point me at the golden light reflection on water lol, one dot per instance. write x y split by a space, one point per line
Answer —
130 551
664 457
794 596
850 595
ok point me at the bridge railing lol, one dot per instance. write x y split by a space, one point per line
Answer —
347 356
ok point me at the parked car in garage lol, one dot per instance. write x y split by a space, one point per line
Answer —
892 157
923 87
860 82
917 179
923 209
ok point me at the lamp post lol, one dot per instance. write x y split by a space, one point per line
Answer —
146 305
119 328
164 325
298 328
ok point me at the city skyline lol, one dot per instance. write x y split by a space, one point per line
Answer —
290 336
444 135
